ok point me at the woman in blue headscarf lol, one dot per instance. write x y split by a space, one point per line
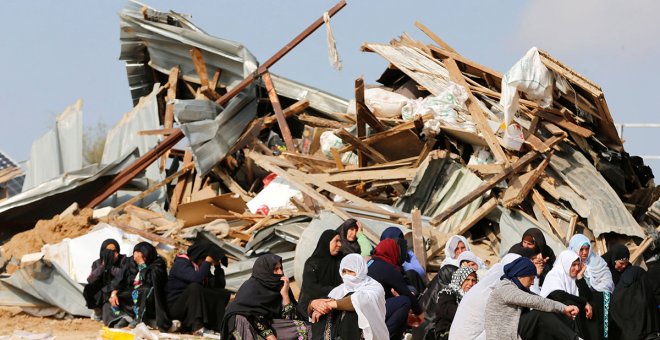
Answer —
508 314
599 279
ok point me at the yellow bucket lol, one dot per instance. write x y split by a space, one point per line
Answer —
116 334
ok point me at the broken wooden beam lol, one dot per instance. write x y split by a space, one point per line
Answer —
520 186
277 108
418 237
540 203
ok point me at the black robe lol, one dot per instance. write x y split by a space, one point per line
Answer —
321 273
633 306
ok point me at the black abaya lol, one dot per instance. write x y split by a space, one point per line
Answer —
633 306
321 273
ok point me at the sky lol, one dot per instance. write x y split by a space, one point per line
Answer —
54 52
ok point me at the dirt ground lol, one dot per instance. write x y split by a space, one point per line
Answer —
11 319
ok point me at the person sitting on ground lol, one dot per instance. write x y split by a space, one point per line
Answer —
508 315
634 307
453 248
617 260
385 267
195 296
100 281
449 298
412 269
353 239
599 279
532 238
264 306
148 274
356 308
469 259
427 299
321 272
565 283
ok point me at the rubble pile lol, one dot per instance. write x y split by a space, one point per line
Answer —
441 145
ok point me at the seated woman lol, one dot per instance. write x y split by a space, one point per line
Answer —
100 281
427 299
470 315
321 272
196 297
385 267
565 283
356 308
507 312
412 269
468 259
533 237
264 306
601 285
148 288
453 248
634 306
449 298
353 239
617 260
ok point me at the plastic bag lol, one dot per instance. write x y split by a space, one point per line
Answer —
329 140
530 76
383 103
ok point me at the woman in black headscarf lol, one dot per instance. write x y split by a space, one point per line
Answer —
264 306
617 260
99 282
532 238
353 239
195 296
634 308
321 272
148 287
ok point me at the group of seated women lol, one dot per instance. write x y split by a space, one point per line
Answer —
353 291
125 291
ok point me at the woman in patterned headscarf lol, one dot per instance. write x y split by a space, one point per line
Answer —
448 299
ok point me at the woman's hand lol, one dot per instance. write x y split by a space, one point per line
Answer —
284 291
583 269
588 311
359 225
271 337
571 311
114 300
322 306
316 316
209 259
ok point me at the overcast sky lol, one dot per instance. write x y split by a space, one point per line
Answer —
54 52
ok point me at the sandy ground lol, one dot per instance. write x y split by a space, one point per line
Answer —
11 319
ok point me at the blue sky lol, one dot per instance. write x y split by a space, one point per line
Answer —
54 52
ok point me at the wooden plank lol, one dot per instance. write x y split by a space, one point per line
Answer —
571 227
200 66
548 187
369 175
476 112
292 110
177 193
362 111
521 185
418 237
367 150
281 120
540 202
279 54
476 216
564 123
314 121
434 37
360 124
337 158
149 236
231 184
646 243
486 169
157 132
168 121
213 83
194 213
513 169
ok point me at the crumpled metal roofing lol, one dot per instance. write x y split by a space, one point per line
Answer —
596 200
59 150
439 183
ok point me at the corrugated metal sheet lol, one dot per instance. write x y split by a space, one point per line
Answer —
596 200
59 150
439 183
425 71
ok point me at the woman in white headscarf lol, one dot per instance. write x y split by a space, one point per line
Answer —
468 258
453 248
599 279
359 297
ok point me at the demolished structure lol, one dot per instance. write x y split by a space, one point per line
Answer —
441 146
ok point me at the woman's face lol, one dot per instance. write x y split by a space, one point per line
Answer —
575 268
114 249
584 252
278 270
138 257
528 242
526 281
469 282
351 234
335 245
621 265
471 264
346 271
460 247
